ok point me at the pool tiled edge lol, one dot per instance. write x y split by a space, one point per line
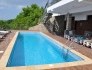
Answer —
6 55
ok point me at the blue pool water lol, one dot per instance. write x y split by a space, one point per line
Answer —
32 48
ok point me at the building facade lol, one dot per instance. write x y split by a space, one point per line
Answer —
70 15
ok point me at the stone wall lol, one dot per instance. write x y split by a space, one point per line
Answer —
61 23
39 27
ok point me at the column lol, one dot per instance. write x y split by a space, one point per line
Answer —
68 21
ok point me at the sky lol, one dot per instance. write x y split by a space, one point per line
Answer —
9 9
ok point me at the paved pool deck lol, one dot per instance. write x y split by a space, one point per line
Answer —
5 42
79 48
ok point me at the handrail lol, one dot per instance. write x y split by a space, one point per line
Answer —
67 50
66 41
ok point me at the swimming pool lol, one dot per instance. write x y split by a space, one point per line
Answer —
34 48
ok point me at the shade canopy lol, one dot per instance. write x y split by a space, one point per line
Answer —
70 6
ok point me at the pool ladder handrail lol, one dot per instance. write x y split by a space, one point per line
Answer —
67 50
66 42
70 45
65 54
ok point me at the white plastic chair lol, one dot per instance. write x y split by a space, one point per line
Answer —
4 32
91 45
1 36
86 42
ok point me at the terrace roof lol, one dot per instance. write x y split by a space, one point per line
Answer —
70 6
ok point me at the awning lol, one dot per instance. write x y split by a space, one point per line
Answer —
70 6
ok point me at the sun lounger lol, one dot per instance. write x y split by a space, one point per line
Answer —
68 34
1 36
85 42
72 38
4 32
78 39
91 45
88 44
81 41
82 38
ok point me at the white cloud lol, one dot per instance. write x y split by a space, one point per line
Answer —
20 6
4 4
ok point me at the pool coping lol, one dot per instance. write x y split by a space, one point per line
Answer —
5 57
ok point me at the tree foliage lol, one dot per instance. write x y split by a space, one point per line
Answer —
28 17
5 24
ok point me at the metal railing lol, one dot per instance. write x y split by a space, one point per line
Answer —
65 54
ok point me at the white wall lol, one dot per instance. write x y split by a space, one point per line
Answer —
82 16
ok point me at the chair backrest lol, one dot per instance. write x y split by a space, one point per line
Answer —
71 32
66 32
88 34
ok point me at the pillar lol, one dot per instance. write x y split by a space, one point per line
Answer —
68 21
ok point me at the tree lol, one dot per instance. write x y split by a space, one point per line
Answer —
28 17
